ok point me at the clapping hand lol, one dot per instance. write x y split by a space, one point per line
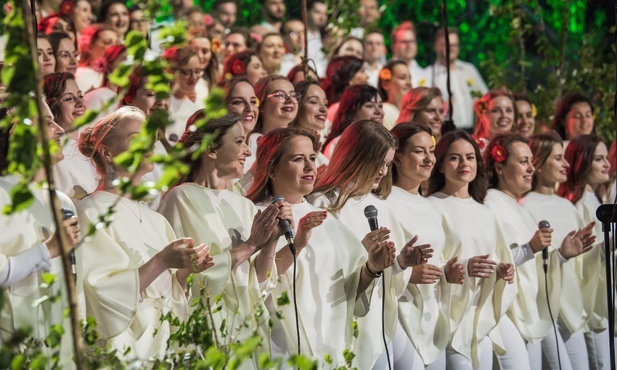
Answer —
414 255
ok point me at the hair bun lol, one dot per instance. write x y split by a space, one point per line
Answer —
85 144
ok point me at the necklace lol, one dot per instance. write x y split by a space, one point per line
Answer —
129 208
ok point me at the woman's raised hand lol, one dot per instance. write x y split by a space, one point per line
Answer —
412 255
264 226
377 236
306 225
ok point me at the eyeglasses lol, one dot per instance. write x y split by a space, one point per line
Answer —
194 72
283 97
67 55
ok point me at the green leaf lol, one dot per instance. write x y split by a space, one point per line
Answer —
283 300
21 199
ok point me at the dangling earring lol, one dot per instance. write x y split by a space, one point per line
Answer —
110 175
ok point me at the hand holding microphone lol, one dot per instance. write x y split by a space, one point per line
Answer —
284 224
381 252
541 240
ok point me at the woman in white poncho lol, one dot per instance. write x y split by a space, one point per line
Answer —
457 187
129 265
357 177
333 266
543 204
241 239
421 309
508 161
589 172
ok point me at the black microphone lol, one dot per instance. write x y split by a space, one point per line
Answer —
66 214
544 225
284 224
370 212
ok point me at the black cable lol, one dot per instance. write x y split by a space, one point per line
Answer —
448 125
296 305
383 319
550 312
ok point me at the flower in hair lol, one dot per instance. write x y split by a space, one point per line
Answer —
228 76
257 102
385 74
216 45
208 20
171 54
255 36
67 7
481 106
481 143
434 141
534 111
238 67
499 153
100 65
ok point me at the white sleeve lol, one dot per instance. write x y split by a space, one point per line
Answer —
522 254
15 268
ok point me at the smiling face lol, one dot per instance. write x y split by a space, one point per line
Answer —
433 115
54 132
525 123
118 19
82 17
67 57
71 104
579 120
271 52
555 169
313 109
255 70
242 100
126 133
203 48
460 165
47 61
279 112
147 101
499 116
400 83
230 156
416 161
371 110
598 174
188 74
385 167
516 173
294 177
105 38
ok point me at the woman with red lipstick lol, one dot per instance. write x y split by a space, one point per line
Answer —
457 188
46 58
330 258
544 204
186 68
496 114
393 83
65 52
589 172
358 176
75 175
423 105
96 99
312 113
508 160
242 240
240 98
574 117
360 102
421 310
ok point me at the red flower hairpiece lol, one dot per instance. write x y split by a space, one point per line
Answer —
499 153
238 67
208 20
480 143
171 54
100 65
67 7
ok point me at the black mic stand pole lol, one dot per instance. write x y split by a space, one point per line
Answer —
448 125
607 214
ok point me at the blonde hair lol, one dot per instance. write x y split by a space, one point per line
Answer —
356 162
93 140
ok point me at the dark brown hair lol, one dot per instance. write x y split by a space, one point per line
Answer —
505 141
542 146
564 107
402 133
580 154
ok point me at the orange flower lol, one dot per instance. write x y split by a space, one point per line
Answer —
385 74
216 45
499 153
481 106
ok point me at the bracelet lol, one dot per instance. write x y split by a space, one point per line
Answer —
371 273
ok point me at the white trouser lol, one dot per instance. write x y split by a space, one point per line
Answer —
576 347
404 353
516 356
382 361
456 361
598 349
549 352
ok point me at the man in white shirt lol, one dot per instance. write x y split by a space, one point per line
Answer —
293 36
315 23
374 54
466 83
226 11
405 48
369 16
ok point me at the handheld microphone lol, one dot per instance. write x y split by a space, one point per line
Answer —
284 224
544 225
66 214
370 212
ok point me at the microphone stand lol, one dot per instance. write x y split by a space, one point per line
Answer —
607 214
